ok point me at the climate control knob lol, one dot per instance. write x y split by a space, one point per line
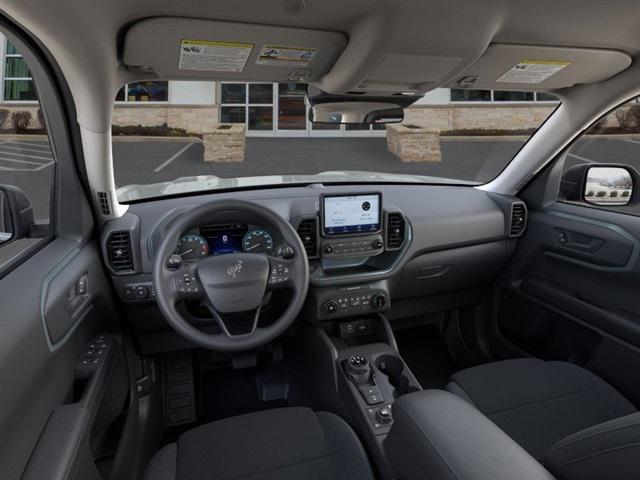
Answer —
379 301
330 307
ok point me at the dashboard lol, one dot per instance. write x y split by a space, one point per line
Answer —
396 248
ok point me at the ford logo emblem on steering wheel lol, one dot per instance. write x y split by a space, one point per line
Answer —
234 269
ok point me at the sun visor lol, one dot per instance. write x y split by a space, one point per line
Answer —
180 48
526 67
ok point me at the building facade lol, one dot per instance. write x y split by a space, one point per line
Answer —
276 109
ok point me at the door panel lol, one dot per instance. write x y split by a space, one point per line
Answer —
54 302
571 291
37 369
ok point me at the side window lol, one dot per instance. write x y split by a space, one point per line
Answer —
27 165
602 168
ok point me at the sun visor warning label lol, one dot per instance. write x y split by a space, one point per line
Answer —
532 71
213 56
285 56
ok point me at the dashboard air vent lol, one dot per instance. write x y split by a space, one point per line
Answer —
395 230
119 252
104 204
518 219
308 232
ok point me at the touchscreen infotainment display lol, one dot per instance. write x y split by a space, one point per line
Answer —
351 214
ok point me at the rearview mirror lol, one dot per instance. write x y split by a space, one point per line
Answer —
356 112
608 186
356 109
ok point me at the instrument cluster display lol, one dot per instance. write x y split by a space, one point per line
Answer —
223 239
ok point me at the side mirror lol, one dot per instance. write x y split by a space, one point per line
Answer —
604 185
16 214
609 186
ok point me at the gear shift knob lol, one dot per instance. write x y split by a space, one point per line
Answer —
358 368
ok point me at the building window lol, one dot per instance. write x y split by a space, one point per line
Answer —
18 84
149 91
250 103
545 97
464 95
507 96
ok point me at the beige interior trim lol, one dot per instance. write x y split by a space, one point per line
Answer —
500 62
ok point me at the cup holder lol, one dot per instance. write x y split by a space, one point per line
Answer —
393 368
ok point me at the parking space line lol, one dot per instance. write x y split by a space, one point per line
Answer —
22 149
26 155
28 162
584 159
11 169
173 157
30 144
631 141
43 166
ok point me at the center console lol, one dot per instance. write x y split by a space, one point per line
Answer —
354 245
367 375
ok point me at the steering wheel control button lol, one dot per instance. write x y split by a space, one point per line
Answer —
280 272
187 284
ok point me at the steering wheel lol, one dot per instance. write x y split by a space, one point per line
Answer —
231 283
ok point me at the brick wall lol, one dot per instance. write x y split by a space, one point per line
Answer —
489 117
192 118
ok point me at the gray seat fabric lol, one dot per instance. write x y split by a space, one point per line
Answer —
539 403
609 450
286 443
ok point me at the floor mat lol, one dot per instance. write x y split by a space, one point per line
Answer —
425 351
228 392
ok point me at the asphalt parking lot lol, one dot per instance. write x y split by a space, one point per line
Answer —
28 163
150 163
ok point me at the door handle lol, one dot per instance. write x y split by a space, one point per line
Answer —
578 241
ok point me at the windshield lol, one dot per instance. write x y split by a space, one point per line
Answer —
173 137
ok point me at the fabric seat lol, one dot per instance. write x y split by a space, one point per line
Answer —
539 403
285 443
